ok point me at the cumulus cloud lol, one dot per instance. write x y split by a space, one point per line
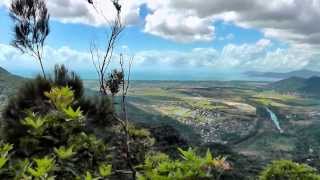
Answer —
182 27
232 57
14 60
80 11
294 21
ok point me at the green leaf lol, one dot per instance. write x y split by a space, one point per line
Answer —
191 166
189 155
105 170
5 148
43 167
72 114
4 151
64 153
60 97
34 121
3 161
88 176
208 156
20 169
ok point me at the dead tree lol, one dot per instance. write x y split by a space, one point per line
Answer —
31 19
116 81
123 86
102 60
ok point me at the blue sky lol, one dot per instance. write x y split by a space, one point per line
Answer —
170 38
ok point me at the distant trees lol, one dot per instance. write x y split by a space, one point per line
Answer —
31 28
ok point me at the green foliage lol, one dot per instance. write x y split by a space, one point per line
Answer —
88 176
20 170
4 152
35 123
59 134
5 148
285 169
105 170
63 78
61 97
72 114
99 109
140 142
50 119
31 97
64 153
42 168
90 143
3 161
134 132
114 81
192 166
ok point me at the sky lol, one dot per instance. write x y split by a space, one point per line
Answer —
177 39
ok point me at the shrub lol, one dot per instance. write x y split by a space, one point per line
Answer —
191 166
31 97
285 169
56 144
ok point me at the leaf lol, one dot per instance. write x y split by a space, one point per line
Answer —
4 149
33 121
71 114
208 156
88 176
20 170
64 153
60 97
3 161
105 170
188 155
43 167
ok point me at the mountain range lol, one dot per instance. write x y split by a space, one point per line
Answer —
9 83
303 73
308 86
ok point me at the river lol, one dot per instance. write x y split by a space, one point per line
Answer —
274 119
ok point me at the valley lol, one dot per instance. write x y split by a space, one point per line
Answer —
233 113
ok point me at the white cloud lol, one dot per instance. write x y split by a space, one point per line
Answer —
80 11
232 57
179 26
263 42
244 57
14 60
292 21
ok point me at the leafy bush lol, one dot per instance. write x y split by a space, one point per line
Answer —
56 144
31 97
191 166
285 169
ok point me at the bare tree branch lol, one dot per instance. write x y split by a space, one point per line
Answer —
31 19
102 64
116 80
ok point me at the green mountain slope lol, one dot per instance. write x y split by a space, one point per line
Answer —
310 86
9 83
